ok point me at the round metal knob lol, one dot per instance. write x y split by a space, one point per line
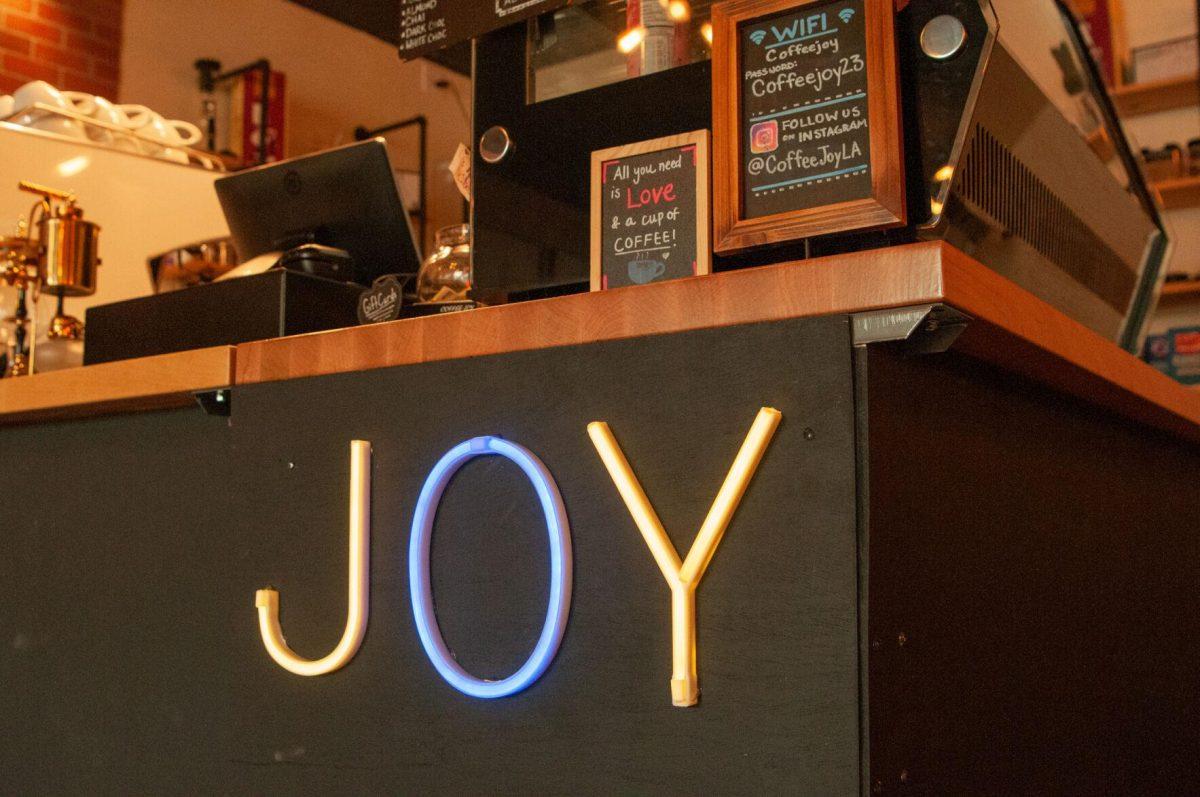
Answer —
942 37
494 144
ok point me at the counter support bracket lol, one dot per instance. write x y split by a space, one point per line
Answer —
925 328
215 402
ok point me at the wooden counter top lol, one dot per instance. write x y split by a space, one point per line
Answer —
899 276
147 383
1011 328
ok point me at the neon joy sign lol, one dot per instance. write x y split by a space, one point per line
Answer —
682 575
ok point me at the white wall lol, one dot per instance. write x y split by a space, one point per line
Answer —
1150 21
144 206
337 77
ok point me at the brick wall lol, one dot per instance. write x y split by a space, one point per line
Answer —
72 44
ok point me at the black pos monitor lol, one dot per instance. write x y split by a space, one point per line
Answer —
345 198
333 214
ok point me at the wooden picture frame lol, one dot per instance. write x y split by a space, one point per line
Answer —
698 140
883 208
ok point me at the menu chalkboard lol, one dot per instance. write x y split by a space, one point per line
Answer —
806 114
650 215
428 25
805 134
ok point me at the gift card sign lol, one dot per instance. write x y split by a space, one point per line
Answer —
382 301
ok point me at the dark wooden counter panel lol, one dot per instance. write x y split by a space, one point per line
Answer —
948 575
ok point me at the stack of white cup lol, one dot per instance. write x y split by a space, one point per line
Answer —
157 136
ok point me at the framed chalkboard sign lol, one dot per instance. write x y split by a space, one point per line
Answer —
650 211
429 25
806 120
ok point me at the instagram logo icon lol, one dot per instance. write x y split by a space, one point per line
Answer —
764 137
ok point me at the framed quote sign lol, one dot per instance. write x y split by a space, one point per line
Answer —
650 211
806 120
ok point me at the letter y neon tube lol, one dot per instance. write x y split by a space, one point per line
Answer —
683 576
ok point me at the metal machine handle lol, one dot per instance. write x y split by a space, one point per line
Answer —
47 192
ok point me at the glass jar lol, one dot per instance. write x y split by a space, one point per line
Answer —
1163 164
446 274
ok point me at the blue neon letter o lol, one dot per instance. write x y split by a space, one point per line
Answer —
421 589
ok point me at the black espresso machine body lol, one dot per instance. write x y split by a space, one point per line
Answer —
1012 153
1016 157
530 208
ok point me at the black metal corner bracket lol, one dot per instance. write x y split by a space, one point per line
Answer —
215 402
924 329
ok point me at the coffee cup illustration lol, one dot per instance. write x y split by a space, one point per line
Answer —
643 271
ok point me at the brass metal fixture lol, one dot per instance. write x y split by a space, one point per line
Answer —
63 326
68 243
19 268
61 260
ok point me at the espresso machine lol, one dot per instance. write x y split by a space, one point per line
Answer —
1012 150
56 252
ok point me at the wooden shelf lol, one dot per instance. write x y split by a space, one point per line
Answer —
1180 192
1137 99
1173 290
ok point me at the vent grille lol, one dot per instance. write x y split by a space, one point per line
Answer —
1007 190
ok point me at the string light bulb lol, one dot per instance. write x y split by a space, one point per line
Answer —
628 41
677 10
706 32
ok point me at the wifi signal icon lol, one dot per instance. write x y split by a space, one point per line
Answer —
757 36
846 14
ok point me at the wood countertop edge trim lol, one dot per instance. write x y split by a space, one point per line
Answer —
900 276
1012 329
146 383
1024 335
